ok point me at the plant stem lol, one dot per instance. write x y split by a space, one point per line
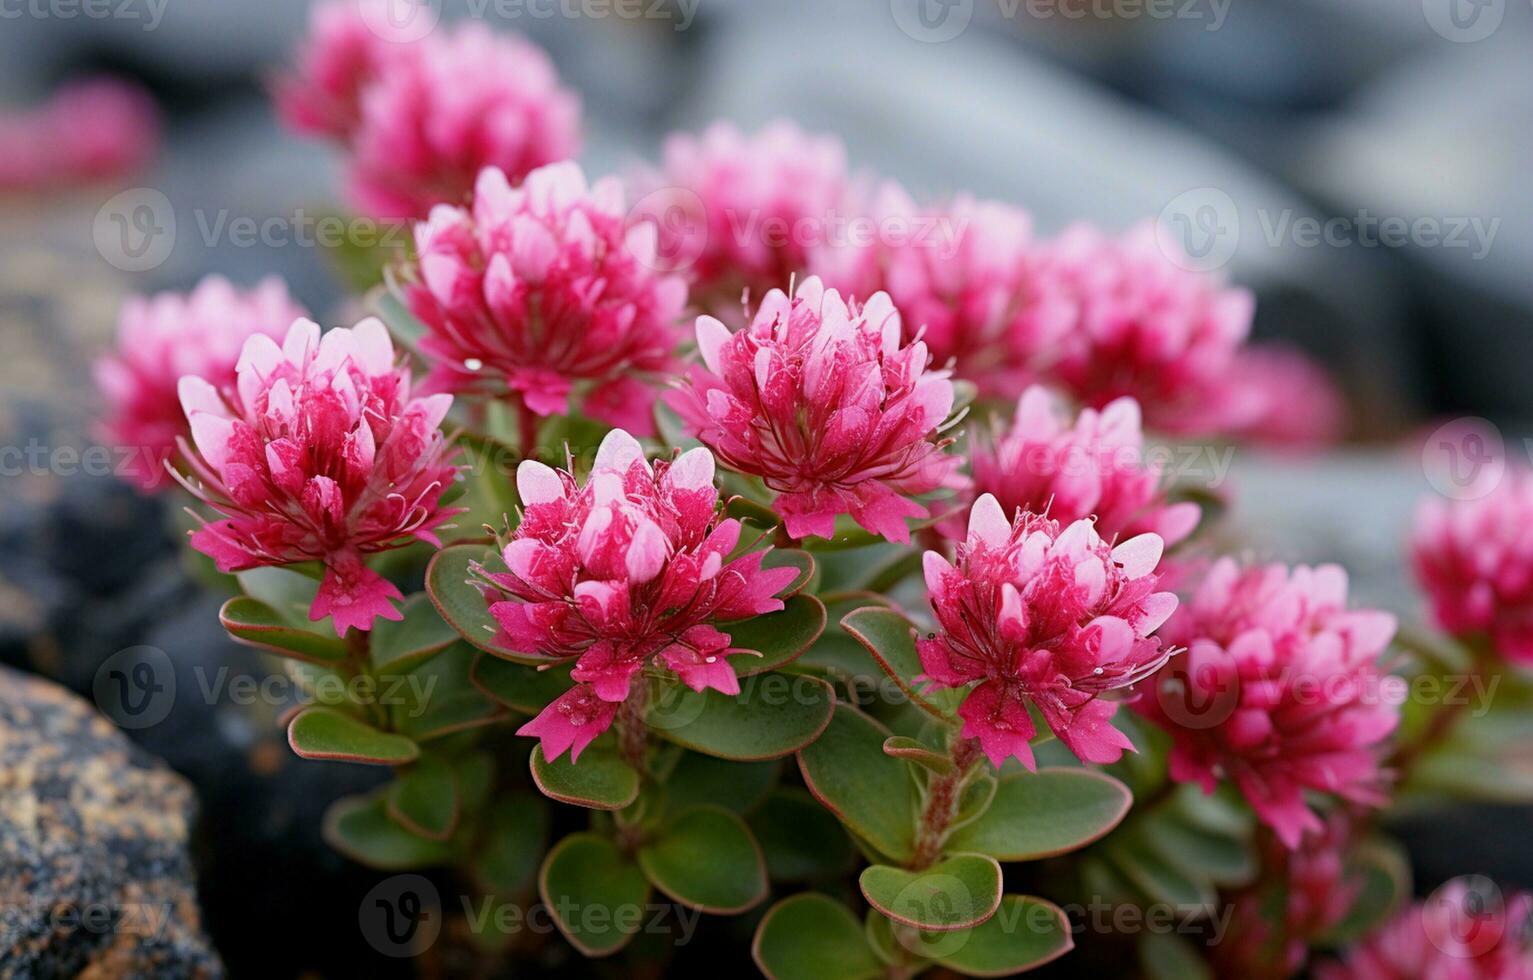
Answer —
942 798
527 429
359 661
632 733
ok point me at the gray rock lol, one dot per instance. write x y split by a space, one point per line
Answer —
95 878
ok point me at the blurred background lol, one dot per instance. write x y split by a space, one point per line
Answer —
1360 165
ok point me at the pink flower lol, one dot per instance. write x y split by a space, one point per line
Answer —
1035 614
1095 467
1474 560
742 213
633 567
1148 328
818 398
350 45
1300 407
319 453
537 289
91 129
1280 691
963 278
466 100
1459 933
162 338
1300 896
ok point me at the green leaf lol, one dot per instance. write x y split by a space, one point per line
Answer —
800 839
737 786
1224 860
600 780
773 715
459 602
515 832
424 799
792 558
705 858
1150 872
1023 934
745 509
360 828
672 430
324 733
289 593
438 698
398 647
911 750
592 890
874 568
525 690
778 637
957 893
1386 884
387 303
891 639
872 794
1167 956
812 937
256 624
1042 814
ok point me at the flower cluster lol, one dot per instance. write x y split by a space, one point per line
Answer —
164 337
319 453
1037 613
1303 894
633 567
1279 691
819 399
93 129
422 118
1298 405
1474 560
742 214
349 47
1094 467
1457 934
963 277
533 290
1146 327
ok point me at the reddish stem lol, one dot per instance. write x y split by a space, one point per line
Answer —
632 733
942 798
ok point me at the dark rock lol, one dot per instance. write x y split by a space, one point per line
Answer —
95 878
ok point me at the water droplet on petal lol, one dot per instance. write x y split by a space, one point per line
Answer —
473 363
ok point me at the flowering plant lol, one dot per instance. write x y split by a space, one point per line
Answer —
778 612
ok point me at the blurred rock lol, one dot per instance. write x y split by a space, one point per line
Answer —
94 872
